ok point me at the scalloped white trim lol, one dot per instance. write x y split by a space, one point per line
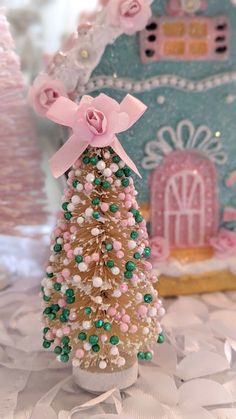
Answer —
166 80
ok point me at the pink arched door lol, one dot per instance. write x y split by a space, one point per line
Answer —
184 203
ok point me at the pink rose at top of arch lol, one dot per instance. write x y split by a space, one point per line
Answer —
224 244
160 249
44 92
130 15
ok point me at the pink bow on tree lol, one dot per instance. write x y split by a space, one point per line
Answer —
94 122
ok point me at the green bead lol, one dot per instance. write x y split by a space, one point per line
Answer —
63 319
96 215
57 286
95 201
111 150
46 298
57 350
137 255
65 312
82 336
95 348
113 208
114 340
139 218
68 216
65 205
75 183
50 275
57 248
134 235
130 266
45 330
69 292
52 316
88 310
93 339
127 171
79 258
116 159
141 355
47 311
64 357
161 338
97 181
147 252
109 246
119 173
128 274
94 160
46 344
86 160
67 349
99 324
65 340
55 307
110 263
70 300
125 182
106 184
134 211
148 356
148 298
107 326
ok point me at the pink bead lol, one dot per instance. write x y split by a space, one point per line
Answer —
133 329
95 257
154 279
70 254
104 207
87 259
49 335
142 310
104 338
88 187
128 204
72 316
111 311
126 318
61 302
121 196
123 287
57 342
79 353
77 251
63 226
118 316
124 327
67 247
60 280
124 223
117 245
57 232
66 273
120 254
68 193
148 265
142 275
117 215
66 330
66 235
73 229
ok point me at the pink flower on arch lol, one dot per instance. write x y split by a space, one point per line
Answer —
160 249
44 92
224 243
130 15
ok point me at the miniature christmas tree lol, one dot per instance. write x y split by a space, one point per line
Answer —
100 304
22 180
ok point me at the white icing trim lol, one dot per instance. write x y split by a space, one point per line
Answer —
175 268
200 138
166 80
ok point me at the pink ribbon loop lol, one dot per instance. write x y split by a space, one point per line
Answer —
94 122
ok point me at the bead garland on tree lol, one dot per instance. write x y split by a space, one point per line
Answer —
100 303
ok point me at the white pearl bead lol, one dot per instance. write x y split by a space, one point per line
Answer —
79 187
101 165
59 333
121 362
88 212
78 172
49 270
90 177
76 279
114 351
121 164
64 288
80 220
102 365
98 300
60 240
115 270
117 182
70 207
75 199
95 231
107 155
116 293
76 362
97 282
107 172
161 311
132 244
87 346
131 221
86 325
146 331
52 258
82 267
139 297
152 312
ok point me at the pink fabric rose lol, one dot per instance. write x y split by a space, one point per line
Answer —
130 15
224 243
160 249
44 92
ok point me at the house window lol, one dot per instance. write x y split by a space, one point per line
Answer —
186 38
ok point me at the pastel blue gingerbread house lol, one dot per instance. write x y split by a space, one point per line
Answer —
183 66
